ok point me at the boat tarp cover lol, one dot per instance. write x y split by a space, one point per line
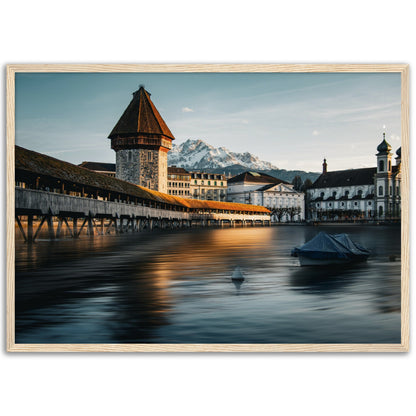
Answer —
327 246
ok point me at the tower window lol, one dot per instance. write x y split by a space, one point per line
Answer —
149 156
381 166
389 164
130 156
380 191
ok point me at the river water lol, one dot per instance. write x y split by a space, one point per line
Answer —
175 287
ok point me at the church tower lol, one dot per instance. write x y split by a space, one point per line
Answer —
383 188
142 140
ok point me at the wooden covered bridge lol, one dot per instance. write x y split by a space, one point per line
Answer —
62 195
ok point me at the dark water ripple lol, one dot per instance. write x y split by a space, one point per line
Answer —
175 287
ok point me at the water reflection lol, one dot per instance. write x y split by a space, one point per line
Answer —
176 287
321 280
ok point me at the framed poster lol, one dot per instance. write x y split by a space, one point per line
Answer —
217 208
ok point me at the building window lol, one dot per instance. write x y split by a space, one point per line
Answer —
149 156
389 164
369 202
355 203
381 166
391 190
130 156
360 193
380 191
380 210
334 194
347 193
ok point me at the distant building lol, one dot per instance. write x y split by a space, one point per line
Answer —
285 203
142 140
108 169
208 186
179 182
368 193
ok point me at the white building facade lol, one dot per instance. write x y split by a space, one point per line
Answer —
208 186
285 203
358 194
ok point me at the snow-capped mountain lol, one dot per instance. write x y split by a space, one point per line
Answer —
198 155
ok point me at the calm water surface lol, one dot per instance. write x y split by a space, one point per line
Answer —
175 287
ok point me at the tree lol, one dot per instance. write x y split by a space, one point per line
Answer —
278 213
306 185
293 211
297 183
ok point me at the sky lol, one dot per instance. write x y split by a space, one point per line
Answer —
292 120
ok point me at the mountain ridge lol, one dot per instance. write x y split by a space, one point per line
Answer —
195 154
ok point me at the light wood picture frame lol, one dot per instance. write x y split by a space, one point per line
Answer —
14 69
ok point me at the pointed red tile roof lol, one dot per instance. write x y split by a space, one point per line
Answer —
141 117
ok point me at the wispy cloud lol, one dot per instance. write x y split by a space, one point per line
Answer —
315 133
187 110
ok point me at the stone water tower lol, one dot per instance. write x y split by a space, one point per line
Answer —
142 140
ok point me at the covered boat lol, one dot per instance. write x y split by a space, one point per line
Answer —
327 249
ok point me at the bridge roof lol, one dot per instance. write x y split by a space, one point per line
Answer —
100 166
141 117
30 162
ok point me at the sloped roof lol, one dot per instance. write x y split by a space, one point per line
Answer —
175 170
267 187
255 177
100 166
43 165
349 177
141 117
